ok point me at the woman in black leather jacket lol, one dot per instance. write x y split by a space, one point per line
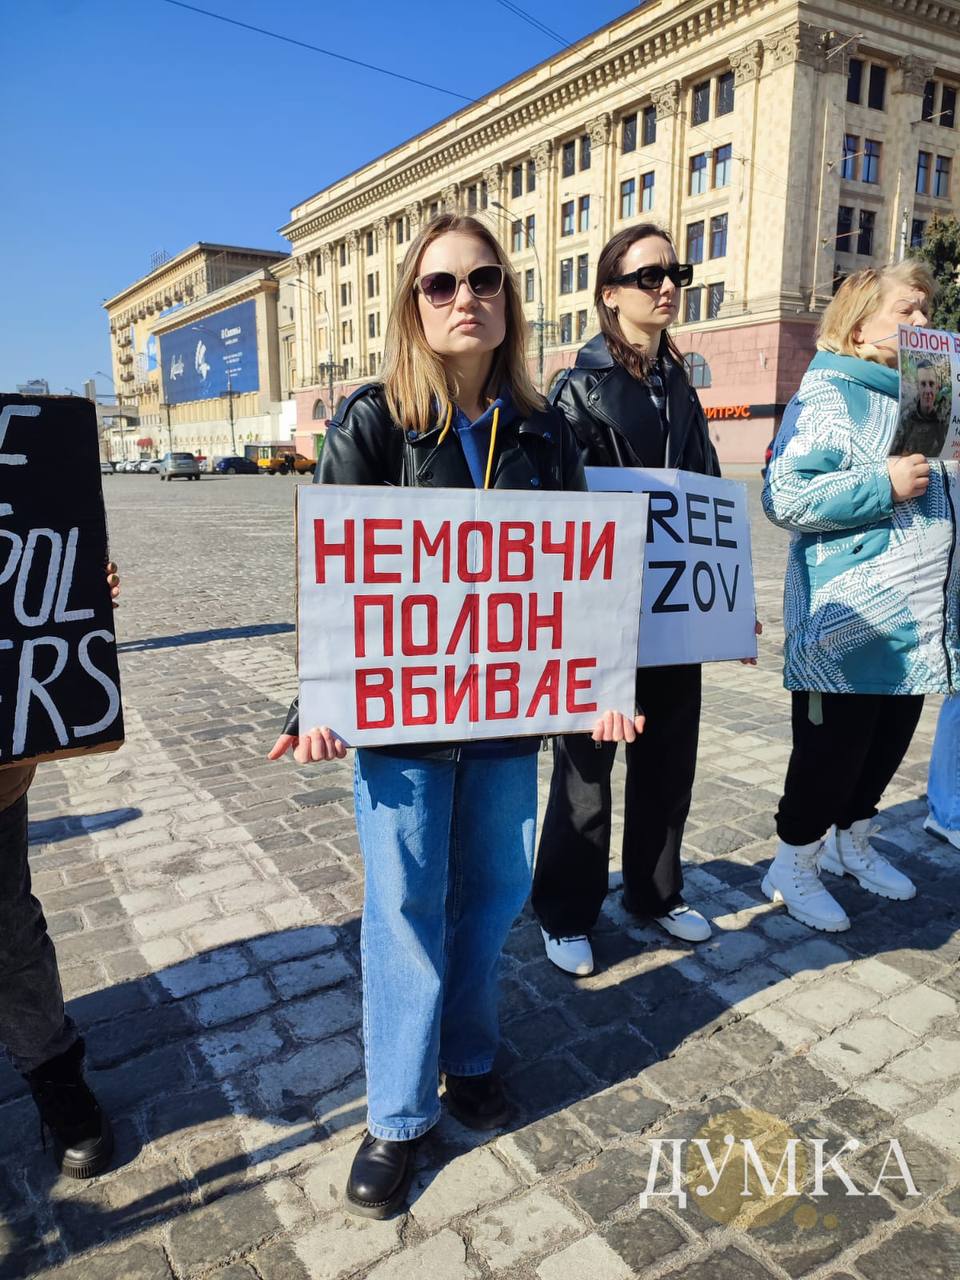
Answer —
630 404
446 830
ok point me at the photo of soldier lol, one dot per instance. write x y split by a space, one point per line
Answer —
925 405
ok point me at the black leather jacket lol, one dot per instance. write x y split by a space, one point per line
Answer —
365 446
597 395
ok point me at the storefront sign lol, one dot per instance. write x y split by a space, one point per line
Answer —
204 359
698 598
59 681
439 615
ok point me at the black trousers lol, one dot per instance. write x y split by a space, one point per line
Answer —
570 881
839 769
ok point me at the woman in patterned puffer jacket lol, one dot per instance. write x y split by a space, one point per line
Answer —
872 592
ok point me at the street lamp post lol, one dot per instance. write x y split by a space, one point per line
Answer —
328 368
540 323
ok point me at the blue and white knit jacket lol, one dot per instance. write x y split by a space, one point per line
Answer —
872 592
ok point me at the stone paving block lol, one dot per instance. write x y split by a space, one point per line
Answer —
139 1262
236 1048
219 1231
792 1032
670 1025
730 951
300 977
233 1001
547 1146
323 1182
443 1255
829 1002
121 1204
753 987
619 1111
617 1179
788 1088
695 1071
460 1186
933 1062
528 1224
212 969
919 1009
309 1072
861 1048
727 1263
880 977
933 1250
613 1054
220 933
644 1241
930 1171
940 1124
343 1246
214 881
812 958
548 1085
749 1042
322 1015
591 1256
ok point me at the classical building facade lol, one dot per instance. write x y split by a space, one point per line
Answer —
135 315
783 144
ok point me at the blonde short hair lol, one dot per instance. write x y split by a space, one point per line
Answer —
859 297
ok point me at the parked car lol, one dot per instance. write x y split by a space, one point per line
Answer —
184 465
767 455
281 464
149 464
106 468
236 466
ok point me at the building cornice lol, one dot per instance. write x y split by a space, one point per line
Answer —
249 286
167 271
532 99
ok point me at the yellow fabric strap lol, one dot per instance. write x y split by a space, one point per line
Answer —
493 447
446 425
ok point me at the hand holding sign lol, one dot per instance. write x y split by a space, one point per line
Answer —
909 476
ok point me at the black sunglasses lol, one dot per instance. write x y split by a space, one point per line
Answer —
681 273
440 287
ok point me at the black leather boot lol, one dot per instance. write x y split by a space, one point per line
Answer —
82 1137
379 1176
477 1101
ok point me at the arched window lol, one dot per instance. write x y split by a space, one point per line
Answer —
319 410
698 371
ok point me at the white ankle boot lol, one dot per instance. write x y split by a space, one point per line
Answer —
794 880
850 853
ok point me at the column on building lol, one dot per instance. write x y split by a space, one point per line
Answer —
904 108
602 195
669 158
546 210
746 63
359 367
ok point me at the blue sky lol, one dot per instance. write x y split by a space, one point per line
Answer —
128 126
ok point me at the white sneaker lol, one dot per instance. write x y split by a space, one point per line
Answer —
572 955
942 833
794 880
850 853
683 922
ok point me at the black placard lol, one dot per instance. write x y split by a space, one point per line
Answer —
59 679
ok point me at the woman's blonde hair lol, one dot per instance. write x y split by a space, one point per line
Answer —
413 376
859 297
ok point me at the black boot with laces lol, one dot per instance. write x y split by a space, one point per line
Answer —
82 1137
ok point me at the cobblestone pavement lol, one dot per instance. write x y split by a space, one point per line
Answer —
205 906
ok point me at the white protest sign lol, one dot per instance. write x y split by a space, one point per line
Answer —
698 599
430 615
929 420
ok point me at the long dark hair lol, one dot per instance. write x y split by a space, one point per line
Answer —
636 363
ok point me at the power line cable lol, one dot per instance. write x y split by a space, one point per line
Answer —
314 48
533 22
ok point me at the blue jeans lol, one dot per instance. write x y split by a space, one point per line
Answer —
448 856
943 783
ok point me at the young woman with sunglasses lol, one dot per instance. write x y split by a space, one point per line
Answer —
446 830
630 404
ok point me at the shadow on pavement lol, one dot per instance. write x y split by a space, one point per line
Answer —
226 1068
52 830
205 637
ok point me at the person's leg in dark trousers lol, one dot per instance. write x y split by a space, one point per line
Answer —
35 1030
571 877
895 724
844 762
661 766
33 1025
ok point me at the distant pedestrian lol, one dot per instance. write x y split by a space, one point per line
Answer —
870 605
38 1035
943 782
446 830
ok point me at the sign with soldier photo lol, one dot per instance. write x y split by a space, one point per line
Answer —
929 421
